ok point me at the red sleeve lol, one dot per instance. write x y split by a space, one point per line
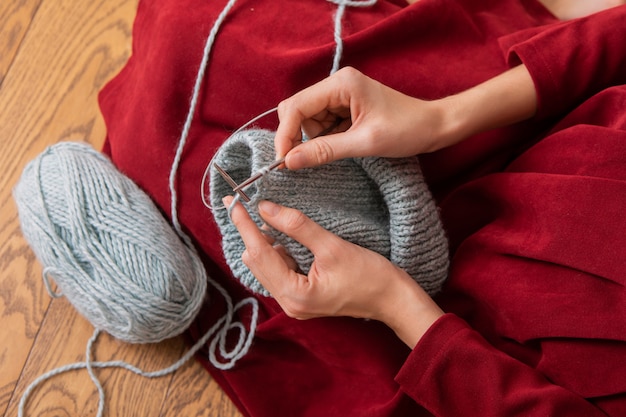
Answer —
453 371
573 60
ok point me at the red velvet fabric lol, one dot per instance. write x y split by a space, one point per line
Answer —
536 321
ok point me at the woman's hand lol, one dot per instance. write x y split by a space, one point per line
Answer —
344 279
375 121
379 121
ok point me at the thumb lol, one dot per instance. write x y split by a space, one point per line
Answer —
319 151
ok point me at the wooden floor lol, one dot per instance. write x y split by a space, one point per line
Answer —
55 55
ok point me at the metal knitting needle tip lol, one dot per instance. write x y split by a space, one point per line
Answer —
258 175
239 188
232 183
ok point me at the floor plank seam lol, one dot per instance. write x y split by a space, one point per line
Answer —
20 45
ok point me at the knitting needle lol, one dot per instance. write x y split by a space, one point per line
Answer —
258 175
232 183
279 162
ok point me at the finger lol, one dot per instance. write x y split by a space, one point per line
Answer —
247 228
325 149
291 263
288 134
265 263
309 103
314 126
297 225
267 233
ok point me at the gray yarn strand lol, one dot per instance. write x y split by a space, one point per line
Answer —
341 9
55 235
77 268
190 114
221 328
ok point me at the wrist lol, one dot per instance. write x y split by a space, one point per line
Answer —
443 122
452 121
408 310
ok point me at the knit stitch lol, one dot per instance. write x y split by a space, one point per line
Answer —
378 203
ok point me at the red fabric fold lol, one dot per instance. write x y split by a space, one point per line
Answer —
539 263
567 76
487 381
534 218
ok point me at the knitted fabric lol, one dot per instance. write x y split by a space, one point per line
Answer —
381 204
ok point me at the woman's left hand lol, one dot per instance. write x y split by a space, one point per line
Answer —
344 280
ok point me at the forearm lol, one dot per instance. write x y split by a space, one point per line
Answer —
406 308
503 100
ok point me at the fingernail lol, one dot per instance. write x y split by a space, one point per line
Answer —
227 200
295 159
278 158
269 208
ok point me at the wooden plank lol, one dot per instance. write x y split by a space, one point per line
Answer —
15 19
191 396
23 303
62 340
49 94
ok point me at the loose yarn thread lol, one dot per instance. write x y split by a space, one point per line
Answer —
100 265
337 35
221 329
189 119
245 341
341 9
233 355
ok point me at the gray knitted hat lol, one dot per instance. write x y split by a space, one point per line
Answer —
381 204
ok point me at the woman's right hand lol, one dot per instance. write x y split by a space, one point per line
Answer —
344 280
379 121
376 121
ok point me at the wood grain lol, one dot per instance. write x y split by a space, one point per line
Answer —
15 19
55 56
189 388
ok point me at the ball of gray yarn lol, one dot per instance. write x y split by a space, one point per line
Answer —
106 245
381 204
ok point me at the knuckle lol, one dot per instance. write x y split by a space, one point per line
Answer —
324 152
285 107
289 108
348 73
251 256
333 251
294 309
295 220
350 77
372 135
